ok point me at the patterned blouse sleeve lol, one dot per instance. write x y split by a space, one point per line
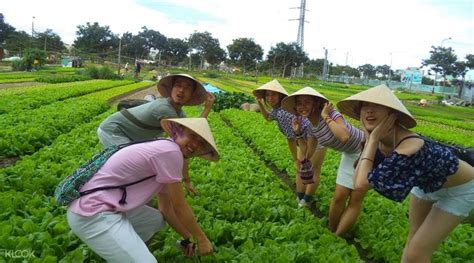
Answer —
393 177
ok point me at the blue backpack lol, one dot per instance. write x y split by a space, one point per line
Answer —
69 188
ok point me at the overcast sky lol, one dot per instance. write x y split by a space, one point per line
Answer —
397 32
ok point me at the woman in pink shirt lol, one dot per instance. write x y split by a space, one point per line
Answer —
116 223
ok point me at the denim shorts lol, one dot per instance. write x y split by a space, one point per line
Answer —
457 200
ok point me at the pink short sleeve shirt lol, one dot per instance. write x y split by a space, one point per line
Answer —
162 158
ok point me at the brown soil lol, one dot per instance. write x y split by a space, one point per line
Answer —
20 85
8 161
137 94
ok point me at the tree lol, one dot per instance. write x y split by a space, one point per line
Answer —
460 70
5 29
152 39
441 61
384 70
17 42
48 41
207 47
285 56
367 70
244 53
93 38
176 51
314 67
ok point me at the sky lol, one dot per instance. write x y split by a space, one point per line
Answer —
398 33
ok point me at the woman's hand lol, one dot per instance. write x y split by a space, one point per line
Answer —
296 125
210 98
204 247
383 127
328 107
190 188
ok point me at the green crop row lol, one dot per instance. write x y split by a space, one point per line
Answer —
25 131
261 224
383 225
51 93
249 215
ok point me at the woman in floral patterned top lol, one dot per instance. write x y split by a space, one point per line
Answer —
396 162
271 94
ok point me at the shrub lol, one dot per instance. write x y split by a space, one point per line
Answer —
107 73
225 100
211 75
18 65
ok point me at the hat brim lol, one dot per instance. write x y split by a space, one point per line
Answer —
351 108
166 84
289 103
203 131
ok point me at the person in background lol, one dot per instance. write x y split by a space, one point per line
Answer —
116 230
142 122
126 68
138 68
270 95
397 162
331 130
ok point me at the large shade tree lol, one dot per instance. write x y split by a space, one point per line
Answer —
442 61
286 56
48 41
175 51
207 47
244 53
96 39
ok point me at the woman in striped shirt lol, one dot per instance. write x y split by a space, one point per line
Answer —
331 130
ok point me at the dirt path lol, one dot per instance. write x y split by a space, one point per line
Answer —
20 85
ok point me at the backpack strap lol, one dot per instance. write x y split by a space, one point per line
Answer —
137 122
122 187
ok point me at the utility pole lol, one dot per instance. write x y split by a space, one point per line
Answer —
32 30
300 36
325 65
119 55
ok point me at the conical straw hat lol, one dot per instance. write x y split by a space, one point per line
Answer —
273 85
166 84
201 127
380 95
289 103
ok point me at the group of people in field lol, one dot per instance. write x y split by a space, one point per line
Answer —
381 153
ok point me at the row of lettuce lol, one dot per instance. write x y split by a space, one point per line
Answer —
383 225
56 110
245 210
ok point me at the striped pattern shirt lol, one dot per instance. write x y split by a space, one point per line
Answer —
326 138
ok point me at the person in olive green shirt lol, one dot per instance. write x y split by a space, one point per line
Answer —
142 122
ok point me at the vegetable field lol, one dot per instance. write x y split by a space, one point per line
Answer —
248 212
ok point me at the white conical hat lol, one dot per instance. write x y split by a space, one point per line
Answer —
289 103
166 84
273 85
380 95
201 127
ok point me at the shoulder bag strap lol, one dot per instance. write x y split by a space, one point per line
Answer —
137 122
